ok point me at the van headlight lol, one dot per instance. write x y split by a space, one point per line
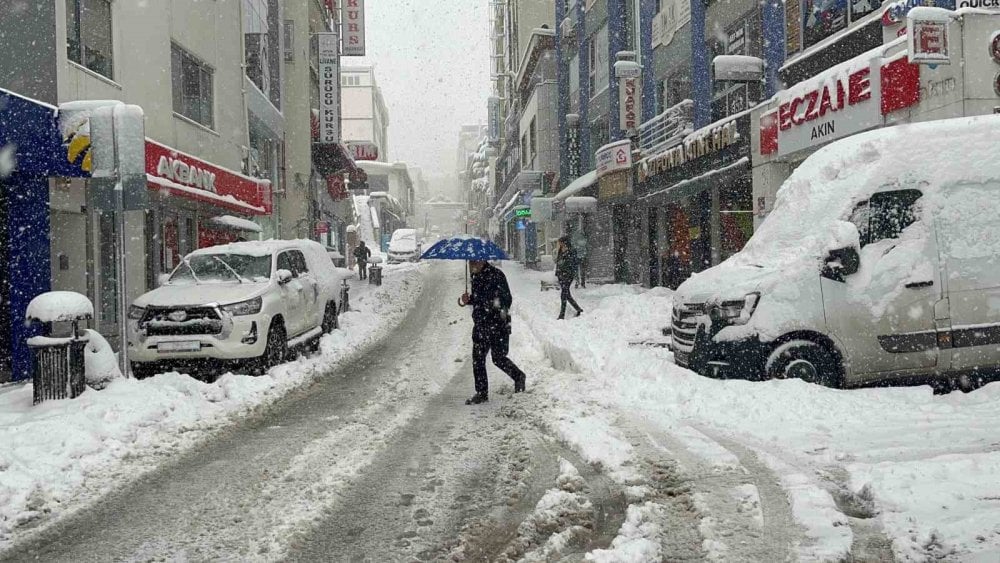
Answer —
735 311
249 307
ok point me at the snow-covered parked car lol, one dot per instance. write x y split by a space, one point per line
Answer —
246 301
404 246
880 261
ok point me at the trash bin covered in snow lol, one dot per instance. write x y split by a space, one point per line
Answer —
58 367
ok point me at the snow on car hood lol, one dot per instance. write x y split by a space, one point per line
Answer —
403 245
200 294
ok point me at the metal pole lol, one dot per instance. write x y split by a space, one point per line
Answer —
120 282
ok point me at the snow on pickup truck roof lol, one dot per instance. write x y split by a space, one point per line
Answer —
810 205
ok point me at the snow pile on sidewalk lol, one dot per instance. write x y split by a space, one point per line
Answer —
59 454
930 464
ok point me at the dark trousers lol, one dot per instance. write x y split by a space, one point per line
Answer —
363 270
566 297
495 341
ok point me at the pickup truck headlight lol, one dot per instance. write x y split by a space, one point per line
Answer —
249 307
135 312
736 311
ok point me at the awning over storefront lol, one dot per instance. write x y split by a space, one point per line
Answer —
179 174
578 185
691 186
228 221
331 159
581 204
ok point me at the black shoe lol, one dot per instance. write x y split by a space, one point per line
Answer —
519 386
579 312
477 399
560 317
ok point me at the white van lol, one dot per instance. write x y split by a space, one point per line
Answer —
880 261
236 302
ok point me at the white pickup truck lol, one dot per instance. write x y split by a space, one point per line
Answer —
245 303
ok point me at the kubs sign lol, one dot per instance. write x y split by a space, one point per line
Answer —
614 157
329 88
352 21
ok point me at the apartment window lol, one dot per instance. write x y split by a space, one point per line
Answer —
524 151
288 41
598 56
592 61
191 81
533 139
88 35
574 76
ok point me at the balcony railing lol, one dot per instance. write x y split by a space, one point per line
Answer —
668 128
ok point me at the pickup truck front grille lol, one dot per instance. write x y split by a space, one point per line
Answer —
167 321
684 327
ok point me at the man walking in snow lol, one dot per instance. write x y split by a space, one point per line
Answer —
362 253
567 265
490 300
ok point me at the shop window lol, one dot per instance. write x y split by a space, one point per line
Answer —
191 81
88 35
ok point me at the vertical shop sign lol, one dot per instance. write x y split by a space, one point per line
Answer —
793 30
493 110
628 97
352 22
329 88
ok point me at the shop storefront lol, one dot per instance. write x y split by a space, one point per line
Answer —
696 198
31 153
612 236
194 204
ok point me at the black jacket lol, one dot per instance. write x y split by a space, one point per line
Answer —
566 265
491 298
362 253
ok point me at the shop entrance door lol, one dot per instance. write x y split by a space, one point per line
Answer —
619 231
654 247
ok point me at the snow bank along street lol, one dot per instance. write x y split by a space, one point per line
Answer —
56 456
776 469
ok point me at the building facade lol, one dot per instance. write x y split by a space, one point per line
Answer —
365 117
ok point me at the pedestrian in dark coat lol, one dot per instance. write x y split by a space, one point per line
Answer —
361 254
567 264
490 300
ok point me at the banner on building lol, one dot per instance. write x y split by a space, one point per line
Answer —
614 157
493 109
352 22
363 150
329 88
629 98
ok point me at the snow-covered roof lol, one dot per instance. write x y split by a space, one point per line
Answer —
236 223
578 185
57 306
581 204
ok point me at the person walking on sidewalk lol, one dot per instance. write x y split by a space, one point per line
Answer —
490 300
361 254
567 265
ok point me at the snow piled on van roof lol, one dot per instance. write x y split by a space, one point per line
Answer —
810 207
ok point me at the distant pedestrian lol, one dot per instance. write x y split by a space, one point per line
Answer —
362 253
567 264
490 300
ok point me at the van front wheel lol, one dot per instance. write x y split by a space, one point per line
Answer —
805 360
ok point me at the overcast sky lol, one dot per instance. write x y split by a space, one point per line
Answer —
432 62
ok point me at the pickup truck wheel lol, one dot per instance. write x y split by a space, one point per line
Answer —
276 350
330 320
805 360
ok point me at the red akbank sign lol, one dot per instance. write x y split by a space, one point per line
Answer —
193 178
847 99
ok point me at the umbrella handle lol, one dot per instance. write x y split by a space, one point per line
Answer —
460 304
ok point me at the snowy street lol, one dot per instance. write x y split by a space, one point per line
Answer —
614 454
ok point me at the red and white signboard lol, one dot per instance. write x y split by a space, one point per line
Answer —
614 157
928 41
847 99
186 176
363 150
628 98
352 21
329 88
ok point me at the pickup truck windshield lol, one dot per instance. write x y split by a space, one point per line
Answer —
223 268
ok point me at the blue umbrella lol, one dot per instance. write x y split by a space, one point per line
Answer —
464 247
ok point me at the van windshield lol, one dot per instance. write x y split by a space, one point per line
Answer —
223 268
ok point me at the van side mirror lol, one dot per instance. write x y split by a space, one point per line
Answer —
841 262
284 276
